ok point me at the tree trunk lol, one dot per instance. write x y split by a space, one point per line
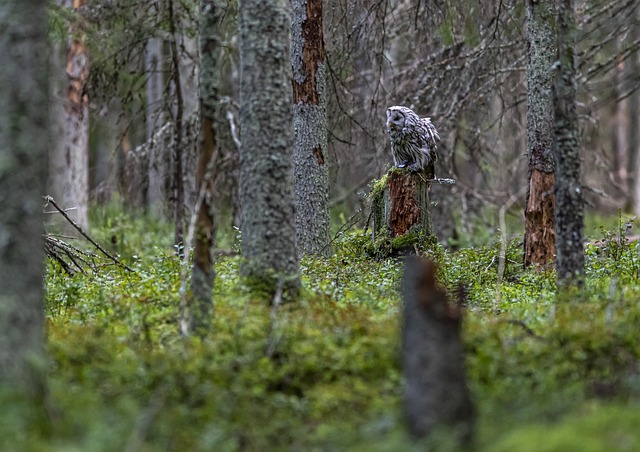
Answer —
266 173
436 393
310 128
24 143
633 140
203 274
157 160
400 211
569 205
540 237
69 151
177 161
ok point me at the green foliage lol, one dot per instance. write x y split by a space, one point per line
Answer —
324 373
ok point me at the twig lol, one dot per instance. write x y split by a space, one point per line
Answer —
50 200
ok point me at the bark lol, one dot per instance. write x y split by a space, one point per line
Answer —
266 173
24 143
69 157
633 140
436 393
157 168
401 208
177 173
539 237
203 274
311 177
569 211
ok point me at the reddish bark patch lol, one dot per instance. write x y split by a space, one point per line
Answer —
312 55
317 152
540 228
405 208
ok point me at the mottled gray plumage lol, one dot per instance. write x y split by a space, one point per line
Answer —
413 139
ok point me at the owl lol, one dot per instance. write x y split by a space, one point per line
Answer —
413 139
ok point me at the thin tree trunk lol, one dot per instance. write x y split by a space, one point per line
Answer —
311 174
203 274
569 211
177 174
539 237
24 144
633 140
157 161
69 157
266 173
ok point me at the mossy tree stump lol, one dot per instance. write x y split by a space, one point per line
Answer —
400 211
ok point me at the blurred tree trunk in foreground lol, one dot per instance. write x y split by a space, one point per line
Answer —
203 274
539 236
569 213
311 175
436 394
266 173
24 142
69 149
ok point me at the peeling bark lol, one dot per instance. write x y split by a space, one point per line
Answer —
69 157
539 237
311 180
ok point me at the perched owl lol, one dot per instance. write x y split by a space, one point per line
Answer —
413 139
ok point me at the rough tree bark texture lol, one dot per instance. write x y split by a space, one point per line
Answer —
569 211
23 145
203 273
540 234
69 151
402 206
266 173
436 393
311 176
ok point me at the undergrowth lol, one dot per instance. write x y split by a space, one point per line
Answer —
324 373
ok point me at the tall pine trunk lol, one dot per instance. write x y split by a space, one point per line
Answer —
310 127
539 237
24 143
266 171
569 211
69 150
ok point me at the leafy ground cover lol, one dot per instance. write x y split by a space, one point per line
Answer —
324 373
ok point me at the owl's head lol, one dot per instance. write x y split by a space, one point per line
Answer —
397 117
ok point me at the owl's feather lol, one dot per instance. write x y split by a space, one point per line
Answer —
413 139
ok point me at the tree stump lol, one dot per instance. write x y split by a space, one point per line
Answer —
400 213
436 393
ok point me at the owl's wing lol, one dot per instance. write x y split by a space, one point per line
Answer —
428 134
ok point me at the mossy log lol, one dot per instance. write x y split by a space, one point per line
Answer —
400 211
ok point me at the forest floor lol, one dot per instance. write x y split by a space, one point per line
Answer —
546 374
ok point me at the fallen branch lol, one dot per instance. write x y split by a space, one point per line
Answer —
50 200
